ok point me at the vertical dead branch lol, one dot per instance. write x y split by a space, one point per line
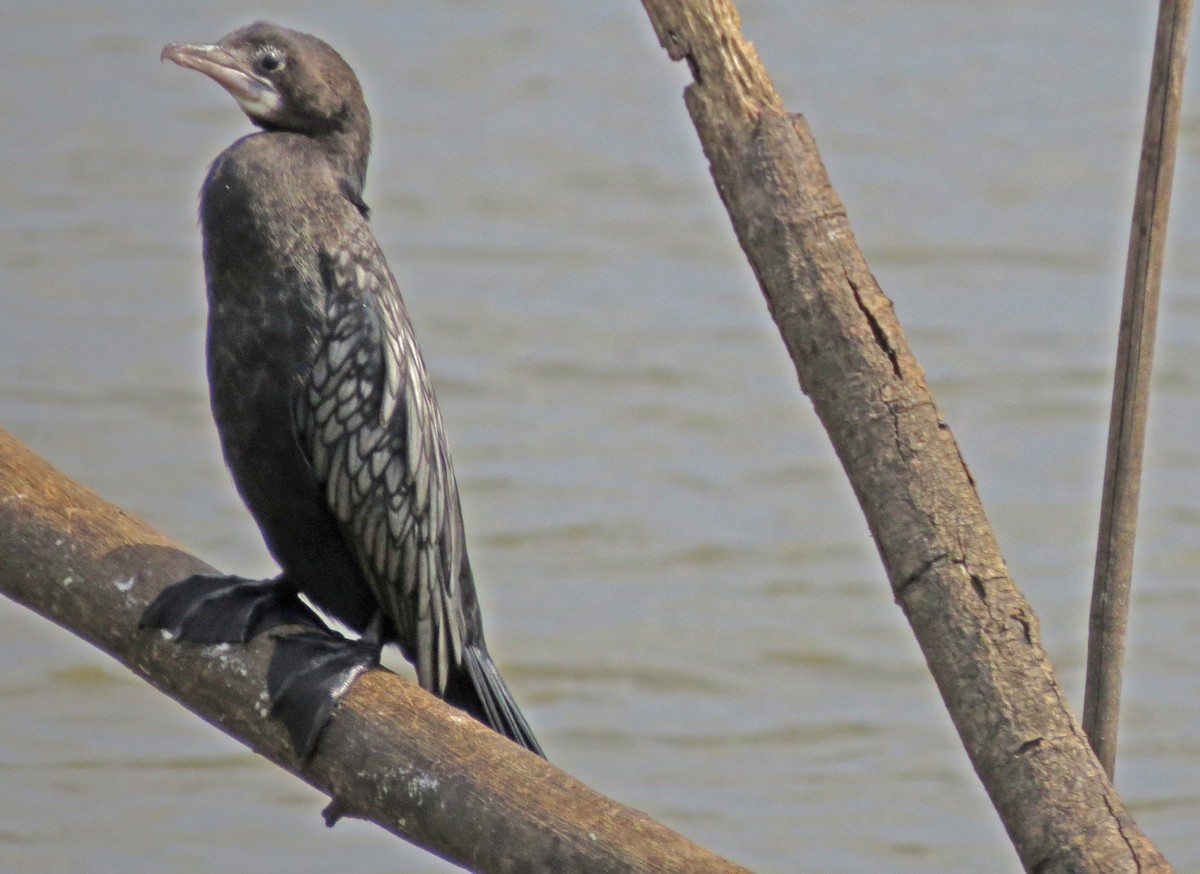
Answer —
1131 385
979 635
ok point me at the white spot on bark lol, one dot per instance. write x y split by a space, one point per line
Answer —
420 785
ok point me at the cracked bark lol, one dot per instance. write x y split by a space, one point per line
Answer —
979 635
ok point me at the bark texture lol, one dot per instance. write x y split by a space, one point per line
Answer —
393 754
978 633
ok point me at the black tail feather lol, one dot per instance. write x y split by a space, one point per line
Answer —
482 692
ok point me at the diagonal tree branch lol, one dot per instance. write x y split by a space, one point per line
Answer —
393 754
978 633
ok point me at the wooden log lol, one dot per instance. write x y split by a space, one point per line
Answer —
978 633
393 754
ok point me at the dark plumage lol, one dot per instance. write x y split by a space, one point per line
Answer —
326 416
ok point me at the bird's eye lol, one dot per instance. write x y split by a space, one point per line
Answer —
269 62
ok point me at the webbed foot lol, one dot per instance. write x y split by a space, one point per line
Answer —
309 672
226 609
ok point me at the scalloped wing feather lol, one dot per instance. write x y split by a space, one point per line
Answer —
370 426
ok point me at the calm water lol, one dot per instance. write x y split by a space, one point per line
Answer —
675 577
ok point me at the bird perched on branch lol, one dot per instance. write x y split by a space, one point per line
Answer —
326 416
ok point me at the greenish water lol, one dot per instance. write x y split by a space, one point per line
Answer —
675 578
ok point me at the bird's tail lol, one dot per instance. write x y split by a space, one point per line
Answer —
481 691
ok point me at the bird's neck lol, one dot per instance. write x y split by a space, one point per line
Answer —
348 151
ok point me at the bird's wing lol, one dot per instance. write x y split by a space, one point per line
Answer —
370 426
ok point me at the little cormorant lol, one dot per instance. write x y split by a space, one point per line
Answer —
326 416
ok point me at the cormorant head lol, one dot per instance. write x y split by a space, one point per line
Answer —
285 80
282 79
